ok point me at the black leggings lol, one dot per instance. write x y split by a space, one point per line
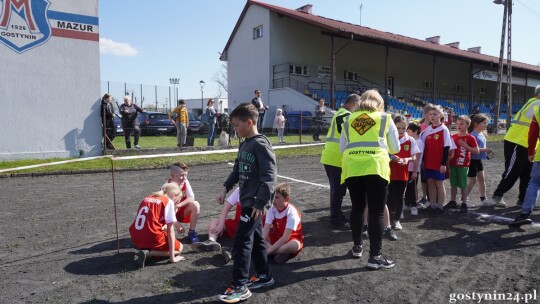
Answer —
370 190
396 197
411 194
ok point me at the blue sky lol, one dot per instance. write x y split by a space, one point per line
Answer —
148 42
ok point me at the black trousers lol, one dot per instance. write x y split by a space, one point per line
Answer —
370 190
337 192
396 198
131 129
249 244
411 193
109 132
516 165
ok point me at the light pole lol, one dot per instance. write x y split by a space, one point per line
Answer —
507 20
202 95
174 82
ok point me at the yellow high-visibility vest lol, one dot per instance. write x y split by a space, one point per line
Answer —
537 115
519 129
366 152
331 155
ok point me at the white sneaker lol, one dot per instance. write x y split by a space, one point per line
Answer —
397 226
414 211
487 202
498 201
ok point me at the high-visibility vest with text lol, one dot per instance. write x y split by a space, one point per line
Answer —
366 152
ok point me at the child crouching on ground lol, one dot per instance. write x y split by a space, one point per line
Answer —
147 232
284 241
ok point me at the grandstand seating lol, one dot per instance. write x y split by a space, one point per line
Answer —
415 106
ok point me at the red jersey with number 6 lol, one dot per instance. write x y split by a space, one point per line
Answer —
147 229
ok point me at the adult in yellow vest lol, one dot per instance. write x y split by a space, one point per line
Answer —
331 159
531 195
368 136
516 162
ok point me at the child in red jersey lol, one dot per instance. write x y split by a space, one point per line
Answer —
284 241
147 232
423 203
399 171
459 164
188 209
437 143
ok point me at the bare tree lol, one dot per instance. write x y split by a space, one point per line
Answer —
220 77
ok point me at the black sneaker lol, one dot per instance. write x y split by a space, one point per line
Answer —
365 234
357 251
235 294
378 263
436 212
451 205
258 281
522 219
142 257
390 234
340 226
463 208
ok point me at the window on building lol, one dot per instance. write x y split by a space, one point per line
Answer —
324 72
482 90
428 84
297 69
258 32
350 75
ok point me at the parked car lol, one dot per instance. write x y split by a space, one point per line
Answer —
196 126
156 123
117 126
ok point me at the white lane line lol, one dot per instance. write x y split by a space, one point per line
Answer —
54 163
497 219
296 180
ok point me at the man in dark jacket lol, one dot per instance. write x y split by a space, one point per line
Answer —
107 112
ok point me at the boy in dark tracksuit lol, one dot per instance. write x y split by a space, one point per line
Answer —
256 173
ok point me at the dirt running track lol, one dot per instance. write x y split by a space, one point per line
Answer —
58 245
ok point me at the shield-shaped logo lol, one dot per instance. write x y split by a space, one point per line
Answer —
436 136
406 147
24 24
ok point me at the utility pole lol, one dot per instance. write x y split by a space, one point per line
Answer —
506 20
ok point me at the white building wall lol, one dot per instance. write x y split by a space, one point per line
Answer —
247 59
50 94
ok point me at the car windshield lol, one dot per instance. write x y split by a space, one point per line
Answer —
158 116
192 116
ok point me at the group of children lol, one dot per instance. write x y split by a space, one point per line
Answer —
160 214
426 150
430 152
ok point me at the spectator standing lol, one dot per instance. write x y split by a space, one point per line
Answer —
107 117
258 103
516 158
211 119
181 117
130 123
280 125
319 115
